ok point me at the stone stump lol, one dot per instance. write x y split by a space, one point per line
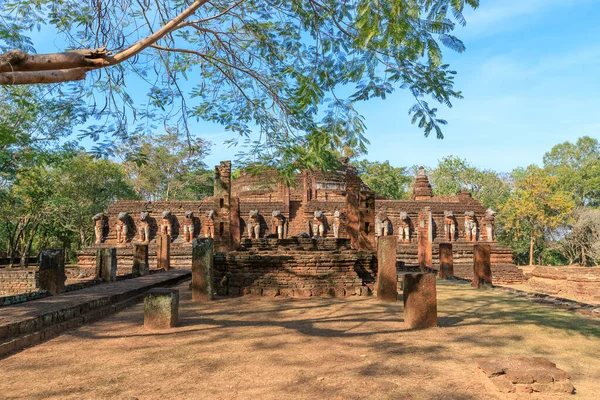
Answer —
482 266
420 300
202 270
161 308
387 278
163 252
106 264
52 271
140 260
446 261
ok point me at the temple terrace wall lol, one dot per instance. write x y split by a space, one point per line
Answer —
17 281
579 282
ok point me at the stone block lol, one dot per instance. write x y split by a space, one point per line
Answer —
202 270
446 261
52 271
482 267
420 300
161 308
163 252
140 260
387 277
106 264
523 375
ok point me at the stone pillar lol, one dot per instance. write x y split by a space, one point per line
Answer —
163 252
235 228
52 271
352 212
420 300
202 270
222 197
446 261
387 277
425 238
482 266
106 264
140 260
161 308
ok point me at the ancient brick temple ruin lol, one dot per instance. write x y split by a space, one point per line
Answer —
315 238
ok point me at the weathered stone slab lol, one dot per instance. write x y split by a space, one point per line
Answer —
106 264
202 270
161 308
523 375
420 300
425 239
482 267
140 260
163 248
387 278
446 261
52 271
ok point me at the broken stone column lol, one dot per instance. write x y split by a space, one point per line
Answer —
161 308
140 260
387 278
446 261
482 266
420 300
52 271
424 239
202 270
163 252
106 264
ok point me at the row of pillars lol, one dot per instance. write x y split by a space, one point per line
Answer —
161 305
419 289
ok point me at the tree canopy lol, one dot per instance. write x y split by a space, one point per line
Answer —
282 75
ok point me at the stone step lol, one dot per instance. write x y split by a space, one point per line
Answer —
30 323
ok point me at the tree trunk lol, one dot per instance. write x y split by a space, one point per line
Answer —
531 243
583 257
18 68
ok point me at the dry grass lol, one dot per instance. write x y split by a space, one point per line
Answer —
306 349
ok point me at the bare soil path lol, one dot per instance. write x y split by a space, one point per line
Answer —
355 348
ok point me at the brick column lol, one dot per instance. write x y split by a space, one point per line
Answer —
446 261
222 198
387 278
106 264
52 271
482 267
353 213
202 270
420 300
161 308
235 228
163 252
424 239
140 260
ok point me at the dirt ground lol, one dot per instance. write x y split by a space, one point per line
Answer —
261 348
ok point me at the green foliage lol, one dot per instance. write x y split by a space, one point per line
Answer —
453 174
273 73
51 203
537 205
386 181
577 169
171 168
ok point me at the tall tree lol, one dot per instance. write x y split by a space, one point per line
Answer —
172 168
454 174
577 168
536 205
387 181
273 67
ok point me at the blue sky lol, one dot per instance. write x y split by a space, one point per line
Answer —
530 79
